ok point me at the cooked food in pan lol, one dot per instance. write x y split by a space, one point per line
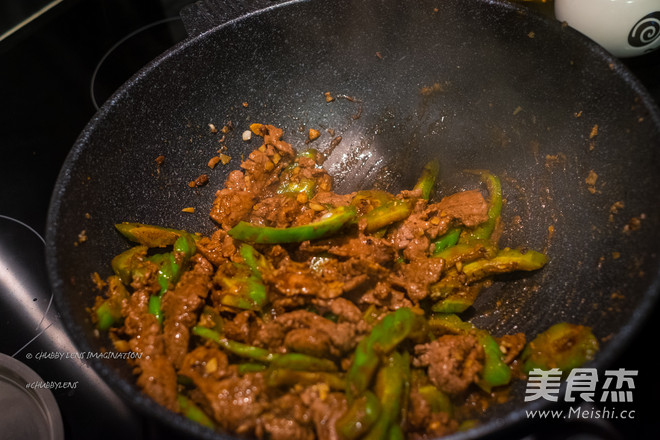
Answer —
311 314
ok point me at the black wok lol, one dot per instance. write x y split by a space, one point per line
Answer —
478 84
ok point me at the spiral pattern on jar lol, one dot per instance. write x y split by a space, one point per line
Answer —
646 31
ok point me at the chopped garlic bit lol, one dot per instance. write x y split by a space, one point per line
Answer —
224 159
214 161
313 134
247 135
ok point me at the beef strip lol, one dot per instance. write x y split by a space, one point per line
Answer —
333 199
278 210
325 413
295 278
205 362
344 309
311 341
414 235
180 307
287 418
236 402
342 335
416 277
142 327
243 327
423 422
235 201
231 206
158 380
363 246
453 361
467 207
384 295
218 248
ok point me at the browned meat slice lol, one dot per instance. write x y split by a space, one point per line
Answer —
294 278
205 362
426 223
273 136
158 380
416 277
279 210
421 419
330 198
243 327
341 334
378 250
180 307
231 206
468 207
311 341
287 418
344 309
325 413
141 326
384 295
236 181
236 402
453 361
414 234
217 248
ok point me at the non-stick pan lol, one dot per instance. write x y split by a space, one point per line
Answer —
475 84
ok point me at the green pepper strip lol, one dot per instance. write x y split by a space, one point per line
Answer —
485 230
170 267
109 312
293 361
395 433
446 240
251 367
372 197
268 235
437 400
507 260
149 235
193 412
465 252
303 185
391 383
125 264
252 291
457 302
388 213
359 417
495 371
427 178
307 186
563 345
287 377
384 337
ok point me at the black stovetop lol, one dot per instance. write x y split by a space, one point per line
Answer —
53 73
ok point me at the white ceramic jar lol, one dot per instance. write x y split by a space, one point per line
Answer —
625 28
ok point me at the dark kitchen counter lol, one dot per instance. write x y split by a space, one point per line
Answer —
52 74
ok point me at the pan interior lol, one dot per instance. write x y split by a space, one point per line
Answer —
477 85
